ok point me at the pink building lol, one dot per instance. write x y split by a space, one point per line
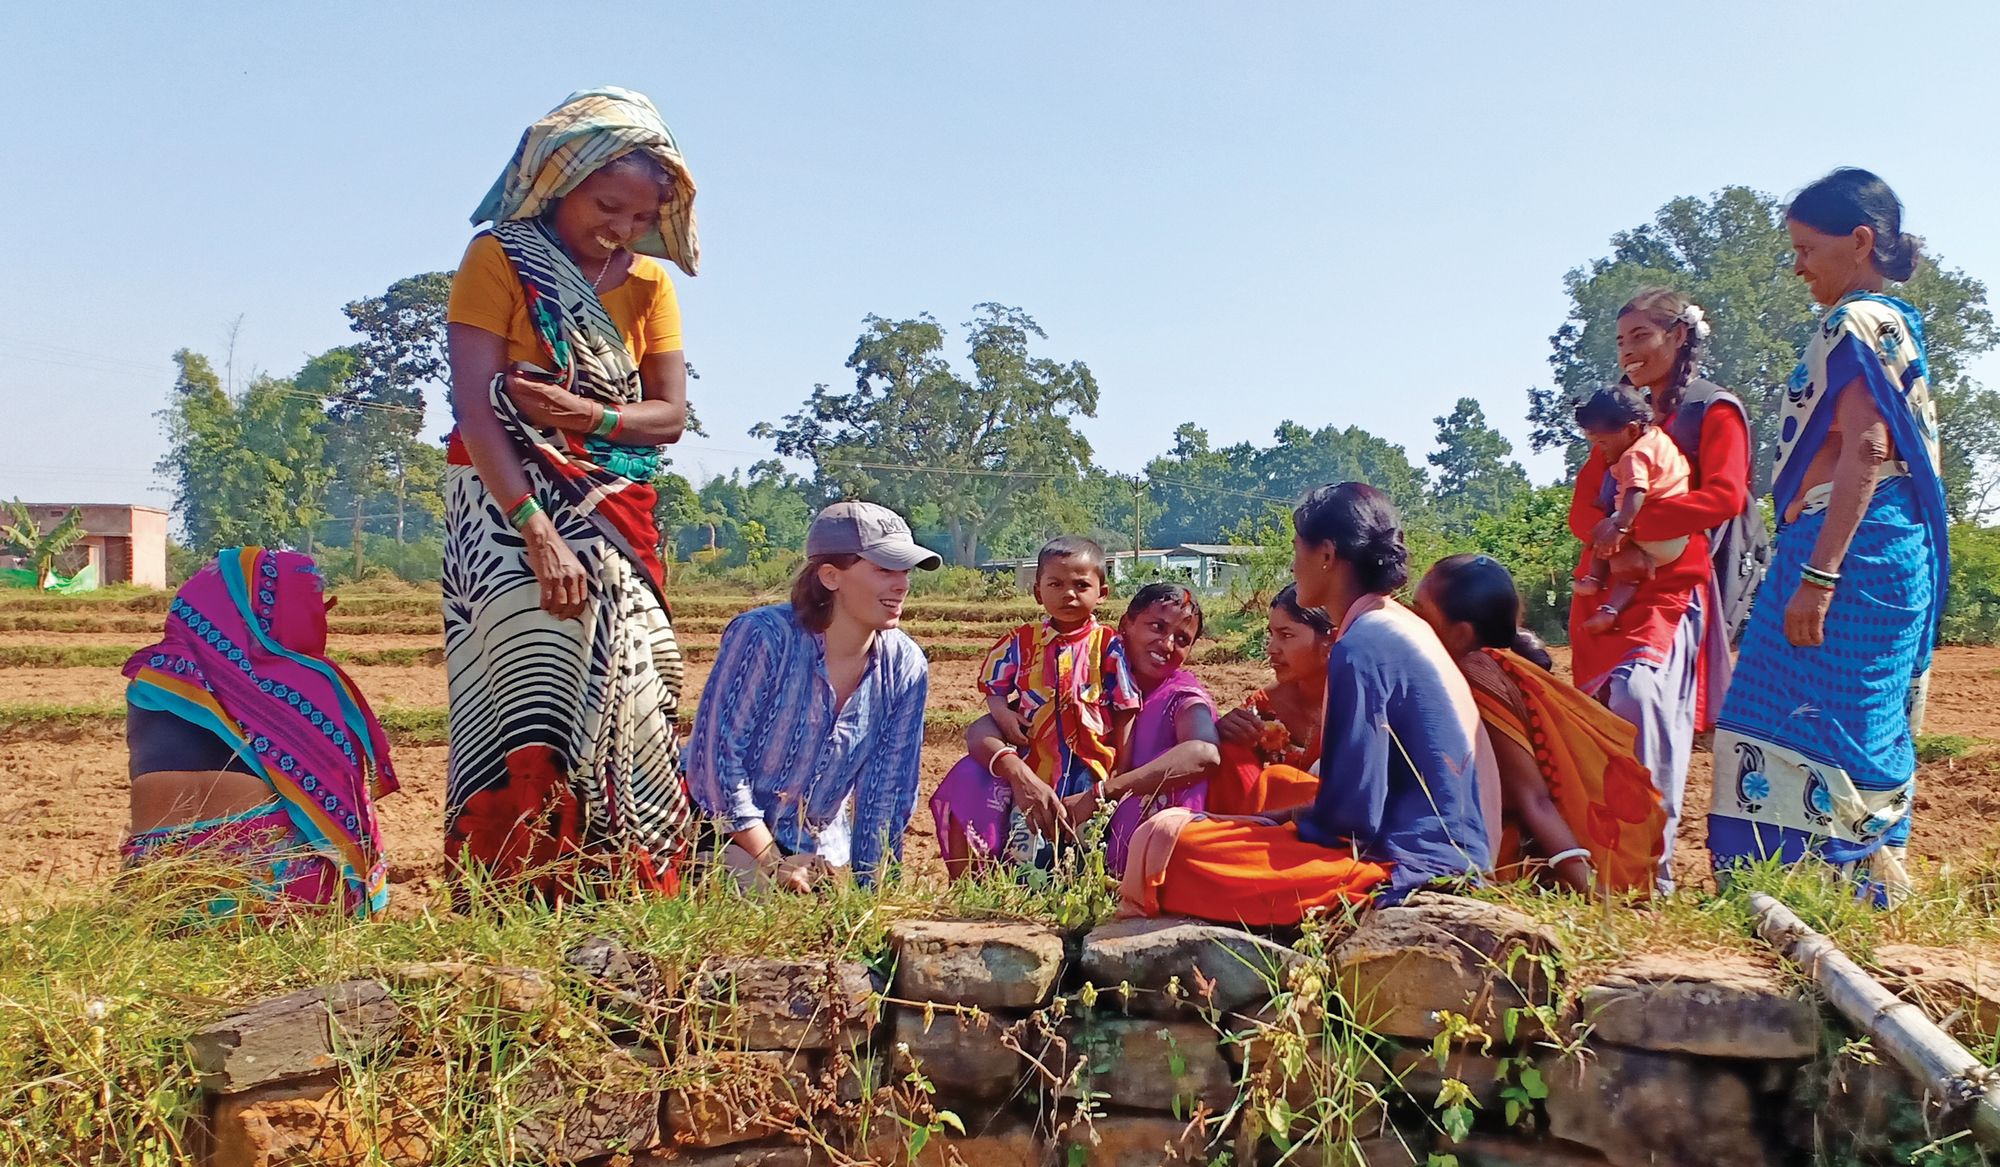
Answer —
127 544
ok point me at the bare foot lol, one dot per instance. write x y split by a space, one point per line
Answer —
1602 620
1587 586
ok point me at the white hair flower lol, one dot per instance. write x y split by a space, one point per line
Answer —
1694 318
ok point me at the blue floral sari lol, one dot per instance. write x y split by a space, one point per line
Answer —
1815 749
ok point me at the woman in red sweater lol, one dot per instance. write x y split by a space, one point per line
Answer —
1665 665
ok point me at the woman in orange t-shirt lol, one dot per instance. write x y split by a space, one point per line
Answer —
567 379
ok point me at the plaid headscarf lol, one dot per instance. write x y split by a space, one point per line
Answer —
586 131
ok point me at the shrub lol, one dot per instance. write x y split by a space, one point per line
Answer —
965 583
1972 607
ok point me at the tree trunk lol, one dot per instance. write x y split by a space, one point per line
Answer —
964 543
402 490
360 507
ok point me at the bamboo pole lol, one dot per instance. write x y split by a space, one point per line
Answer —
1945 1070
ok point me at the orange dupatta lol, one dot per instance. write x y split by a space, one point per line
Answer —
1587 754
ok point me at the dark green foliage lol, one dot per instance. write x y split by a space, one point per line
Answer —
1972 607
958 452
1475 473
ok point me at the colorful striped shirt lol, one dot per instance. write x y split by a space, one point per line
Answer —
768 746
1070 685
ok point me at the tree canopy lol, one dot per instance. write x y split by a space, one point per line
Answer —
1475 474
916 433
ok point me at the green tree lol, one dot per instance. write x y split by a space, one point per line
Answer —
1194 491
676 509
1475 475
245 469
22 536
915 433
1203 492
378 407
1730 254
1097 505
1529 535
748 519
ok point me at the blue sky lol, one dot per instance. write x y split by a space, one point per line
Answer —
1236 214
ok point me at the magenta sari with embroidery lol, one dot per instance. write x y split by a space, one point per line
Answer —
244 657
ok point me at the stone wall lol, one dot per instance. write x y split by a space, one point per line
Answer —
1451 1031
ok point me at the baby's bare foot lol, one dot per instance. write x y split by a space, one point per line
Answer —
1588 586
1602 620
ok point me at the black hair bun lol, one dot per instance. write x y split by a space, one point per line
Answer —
1897 259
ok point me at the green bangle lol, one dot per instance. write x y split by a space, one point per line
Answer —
528 509
1819 579
606 423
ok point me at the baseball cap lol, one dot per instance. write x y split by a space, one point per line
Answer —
873 532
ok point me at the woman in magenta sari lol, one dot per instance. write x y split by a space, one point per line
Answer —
1174 750
249 747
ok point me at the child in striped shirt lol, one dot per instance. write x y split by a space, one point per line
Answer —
1059 687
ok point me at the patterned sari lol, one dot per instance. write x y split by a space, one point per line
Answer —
244 659
564 749
1815 749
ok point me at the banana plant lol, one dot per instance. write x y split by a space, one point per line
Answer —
21 535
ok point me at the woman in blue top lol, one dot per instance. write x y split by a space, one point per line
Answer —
1407 780
806 742
1815 748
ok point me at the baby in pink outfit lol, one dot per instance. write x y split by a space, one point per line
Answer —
1645 465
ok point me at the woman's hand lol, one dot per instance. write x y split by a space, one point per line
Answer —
800 873
1242 726
1011 723
1805 616
565 587
550 406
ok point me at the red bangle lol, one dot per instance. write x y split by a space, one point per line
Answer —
516 504
616 426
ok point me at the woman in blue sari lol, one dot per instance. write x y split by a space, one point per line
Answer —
1815 748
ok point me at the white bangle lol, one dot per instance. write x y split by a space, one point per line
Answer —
1561 857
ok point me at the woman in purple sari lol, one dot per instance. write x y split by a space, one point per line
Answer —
1174 750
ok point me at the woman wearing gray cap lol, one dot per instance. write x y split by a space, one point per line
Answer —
806 743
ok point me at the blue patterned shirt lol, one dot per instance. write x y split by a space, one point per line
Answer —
767 746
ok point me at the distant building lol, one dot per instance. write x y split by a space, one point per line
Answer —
1215 565
126 544
1205 566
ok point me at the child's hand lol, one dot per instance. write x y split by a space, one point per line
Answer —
1606 538
1008 719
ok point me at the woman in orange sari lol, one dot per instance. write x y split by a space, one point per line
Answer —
1272 743
1575 801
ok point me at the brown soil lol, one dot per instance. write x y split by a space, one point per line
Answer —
63 798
